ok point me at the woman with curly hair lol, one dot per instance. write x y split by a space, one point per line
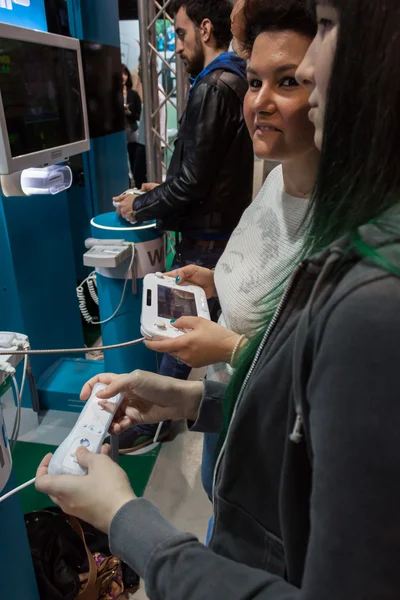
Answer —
274 37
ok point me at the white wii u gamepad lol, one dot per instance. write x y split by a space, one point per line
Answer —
164 301
90 431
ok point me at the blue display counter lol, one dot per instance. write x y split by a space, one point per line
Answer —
125 326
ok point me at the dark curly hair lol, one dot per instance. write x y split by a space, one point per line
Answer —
218 11
254 17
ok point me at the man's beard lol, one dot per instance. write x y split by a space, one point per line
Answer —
196 64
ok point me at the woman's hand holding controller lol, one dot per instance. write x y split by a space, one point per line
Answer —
204 343
148 398
194 275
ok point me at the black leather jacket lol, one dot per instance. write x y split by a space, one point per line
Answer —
210 178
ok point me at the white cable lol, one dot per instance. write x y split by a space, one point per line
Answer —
18 489
72 350
17 402
7 368
155 439
80 292
17 422
17 405
123 293
91 283
16 388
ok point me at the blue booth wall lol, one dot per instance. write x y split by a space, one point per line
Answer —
37 271
15 557
105 166
41 249
40 241
44 236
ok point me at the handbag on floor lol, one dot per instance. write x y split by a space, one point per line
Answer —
72 559
109 577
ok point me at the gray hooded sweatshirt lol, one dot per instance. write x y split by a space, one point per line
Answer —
307 488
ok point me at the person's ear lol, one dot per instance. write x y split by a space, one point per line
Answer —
206 30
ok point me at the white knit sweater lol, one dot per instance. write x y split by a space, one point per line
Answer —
260 253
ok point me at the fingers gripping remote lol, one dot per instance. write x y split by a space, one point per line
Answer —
90 431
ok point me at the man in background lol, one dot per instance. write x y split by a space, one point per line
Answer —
210 178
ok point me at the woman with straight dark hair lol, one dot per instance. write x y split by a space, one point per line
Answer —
307 507
133 109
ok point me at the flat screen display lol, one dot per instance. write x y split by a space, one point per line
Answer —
174 303
41 95
102 69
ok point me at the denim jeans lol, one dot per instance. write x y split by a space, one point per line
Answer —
210 445
209 531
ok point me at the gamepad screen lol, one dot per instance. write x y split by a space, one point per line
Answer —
174 303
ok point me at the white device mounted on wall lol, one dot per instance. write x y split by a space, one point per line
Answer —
43 116
164 300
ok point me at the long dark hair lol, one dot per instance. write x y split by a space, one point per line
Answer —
359 174
125 71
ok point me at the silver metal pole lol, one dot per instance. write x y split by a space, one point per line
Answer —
149 12
155 102
147 87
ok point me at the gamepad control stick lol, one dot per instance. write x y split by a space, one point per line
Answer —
90 431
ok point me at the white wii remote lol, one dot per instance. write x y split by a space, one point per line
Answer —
90 431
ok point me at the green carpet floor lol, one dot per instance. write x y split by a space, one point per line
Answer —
27 457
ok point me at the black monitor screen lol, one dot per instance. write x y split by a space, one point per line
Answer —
41 96
103 82
173 303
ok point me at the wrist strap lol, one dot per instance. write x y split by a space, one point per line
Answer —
235 350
